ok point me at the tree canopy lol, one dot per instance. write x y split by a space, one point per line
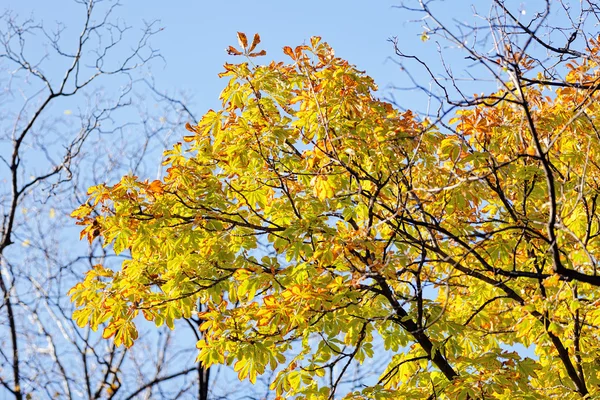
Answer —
313 221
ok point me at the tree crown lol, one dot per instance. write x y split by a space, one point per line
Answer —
315 223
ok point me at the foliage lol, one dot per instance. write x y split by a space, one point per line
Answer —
313 220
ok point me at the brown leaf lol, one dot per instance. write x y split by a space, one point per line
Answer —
255 42
191 128
242 40
232 51
260 53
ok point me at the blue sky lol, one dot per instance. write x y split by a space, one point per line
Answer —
197 33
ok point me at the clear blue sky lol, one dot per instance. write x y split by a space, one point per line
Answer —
196 34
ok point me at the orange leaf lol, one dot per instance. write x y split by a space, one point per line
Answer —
298 50
190 128
288 50
255 42
232 51
156 186
242 39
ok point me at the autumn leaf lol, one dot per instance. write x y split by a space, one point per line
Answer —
288 51
232 51
156 187
242 40
255 42
257 54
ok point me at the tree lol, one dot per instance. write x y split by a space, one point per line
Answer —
313 221
67 98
